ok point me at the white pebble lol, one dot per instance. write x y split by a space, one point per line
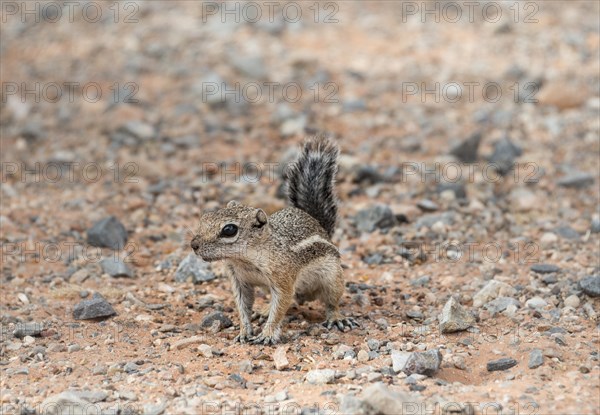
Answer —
572 301
548 239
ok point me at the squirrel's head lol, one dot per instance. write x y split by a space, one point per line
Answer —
234 232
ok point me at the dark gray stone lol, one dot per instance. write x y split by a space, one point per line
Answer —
217 316
131 367
415 315
544 268
567 232
427 205
33 130
595 227
501 364
466 151
107 233
194 268
116 268
591 285
550 279
373 259
536 359
367 174
28 329
96 307
576 180
377 216
504 155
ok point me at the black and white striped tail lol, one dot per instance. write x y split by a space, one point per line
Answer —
311 181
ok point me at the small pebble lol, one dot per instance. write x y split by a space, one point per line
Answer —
280 358
572 301
362 356
373 344
501 364
96 307
544 268
536 303
205 350
28 329
536 359
224 321
427 205
320 377
591 285
73 348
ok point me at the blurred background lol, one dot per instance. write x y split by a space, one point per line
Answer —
153 111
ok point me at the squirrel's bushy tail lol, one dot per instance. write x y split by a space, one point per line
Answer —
311 181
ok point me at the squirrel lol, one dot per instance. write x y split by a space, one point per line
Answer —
289 253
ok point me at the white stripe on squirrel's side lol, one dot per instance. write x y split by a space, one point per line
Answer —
305 243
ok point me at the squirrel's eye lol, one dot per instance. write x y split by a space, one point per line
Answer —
229 230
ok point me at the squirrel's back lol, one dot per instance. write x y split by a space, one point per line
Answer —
311 181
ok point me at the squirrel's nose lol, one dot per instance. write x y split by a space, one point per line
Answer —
195 244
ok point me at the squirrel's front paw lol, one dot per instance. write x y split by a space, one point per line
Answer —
342 323
267 340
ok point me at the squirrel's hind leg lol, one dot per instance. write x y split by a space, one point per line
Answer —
324 278
331 295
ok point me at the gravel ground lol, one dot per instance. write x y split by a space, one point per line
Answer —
468 188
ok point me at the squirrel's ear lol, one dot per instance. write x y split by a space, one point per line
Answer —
261 218
233 203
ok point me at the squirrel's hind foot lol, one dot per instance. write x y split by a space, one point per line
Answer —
343 324
265 339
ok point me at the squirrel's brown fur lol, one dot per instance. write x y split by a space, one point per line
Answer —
290 253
